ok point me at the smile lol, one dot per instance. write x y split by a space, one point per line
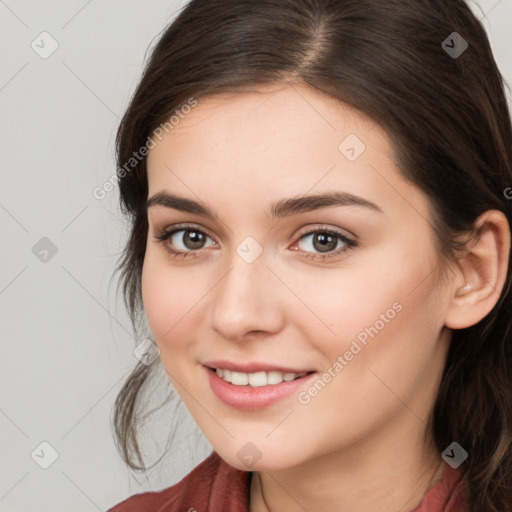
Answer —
257 379
256 390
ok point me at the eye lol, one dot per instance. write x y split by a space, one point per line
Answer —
189 241
327 242
184 241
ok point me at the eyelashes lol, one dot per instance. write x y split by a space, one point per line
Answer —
320 234
166 235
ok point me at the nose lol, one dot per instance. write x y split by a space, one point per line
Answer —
247 302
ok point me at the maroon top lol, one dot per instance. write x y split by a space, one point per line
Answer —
215 486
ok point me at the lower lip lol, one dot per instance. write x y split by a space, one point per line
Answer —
253 399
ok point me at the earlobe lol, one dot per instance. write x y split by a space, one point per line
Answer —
482 272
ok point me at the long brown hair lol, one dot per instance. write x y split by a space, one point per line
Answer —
448 119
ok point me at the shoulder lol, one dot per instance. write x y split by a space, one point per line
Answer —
212 485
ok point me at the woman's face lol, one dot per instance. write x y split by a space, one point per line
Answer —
338 294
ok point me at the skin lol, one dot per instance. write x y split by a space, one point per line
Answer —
360 444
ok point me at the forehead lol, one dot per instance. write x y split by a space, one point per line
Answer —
272 128
279 141
286 112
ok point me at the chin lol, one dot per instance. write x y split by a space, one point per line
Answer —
251 458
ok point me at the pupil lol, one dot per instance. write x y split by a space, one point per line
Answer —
193 239
326 242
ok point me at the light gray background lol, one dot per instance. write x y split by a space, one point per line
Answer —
66 343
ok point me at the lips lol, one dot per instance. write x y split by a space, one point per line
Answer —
253 367
258 394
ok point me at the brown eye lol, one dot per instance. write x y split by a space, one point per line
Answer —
324 243
193 239
184 240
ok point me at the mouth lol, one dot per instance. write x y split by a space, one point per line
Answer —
254 390
256 379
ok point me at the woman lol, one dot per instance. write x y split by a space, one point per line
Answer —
319 194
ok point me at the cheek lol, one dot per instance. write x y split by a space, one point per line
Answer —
382 314
168 298
340 304
389 345
154 295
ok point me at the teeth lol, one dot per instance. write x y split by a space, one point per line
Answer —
274 377
240 379
256 379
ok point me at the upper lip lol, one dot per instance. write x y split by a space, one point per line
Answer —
252 367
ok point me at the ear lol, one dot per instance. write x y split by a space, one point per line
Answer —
482 272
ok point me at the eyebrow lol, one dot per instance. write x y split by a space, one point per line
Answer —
279 209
